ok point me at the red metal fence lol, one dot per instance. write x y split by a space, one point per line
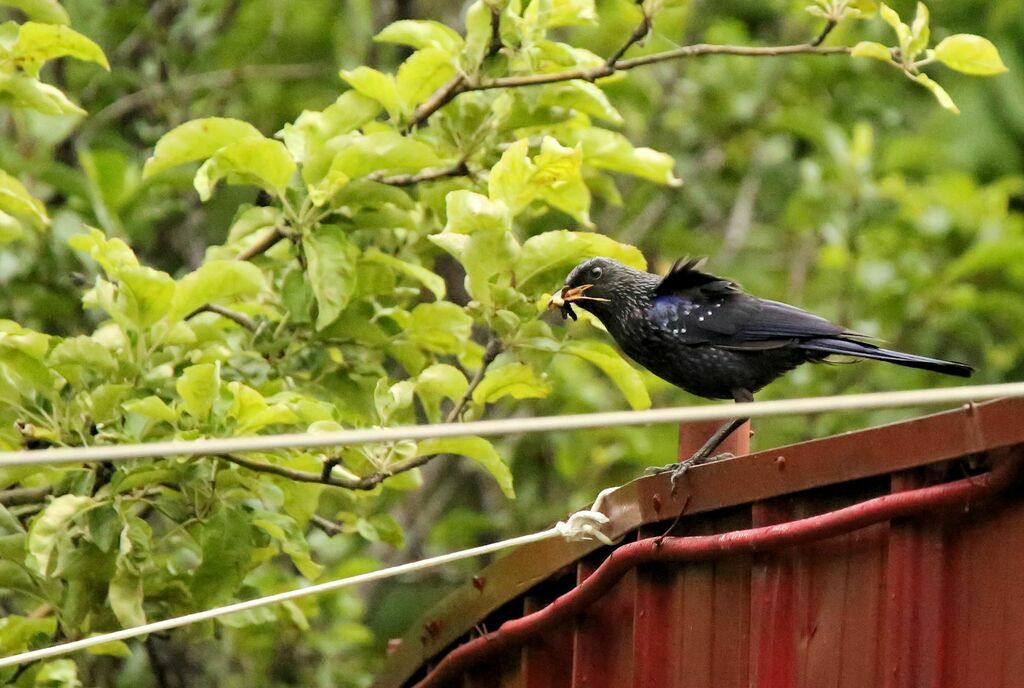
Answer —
926 594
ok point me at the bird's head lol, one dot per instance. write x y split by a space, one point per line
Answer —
598 285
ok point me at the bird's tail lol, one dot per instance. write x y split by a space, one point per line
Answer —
847 347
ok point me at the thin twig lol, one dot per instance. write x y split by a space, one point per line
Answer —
459 169
831 24
494 347
24 495
639 33
326 525
264 244
243 320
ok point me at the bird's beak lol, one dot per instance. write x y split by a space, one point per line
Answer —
568 295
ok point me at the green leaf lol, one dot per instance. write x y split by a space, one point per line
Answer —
39 42
439 381
253 413
18 632
286 532
469 212
26 372
331 259
476 448
970 54
385 529
517 380
50 526
582 96
74 356
441 327
382 152
33 343
553 175
197 140
902 30
442 380
919 31
199 387
478 34
59 673
152 293
609 150
258 162
376 85
557 177
19 90
543 253
571 13
215 281
421 34
875 51
625 377
112 648
429 279
10 228
422 74
15 199
489 250
151 407
226 540
307 139
939 92
111 254
125 595
49 11
509 179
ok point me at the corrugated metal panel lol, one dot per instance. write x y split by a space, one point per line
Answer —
918 602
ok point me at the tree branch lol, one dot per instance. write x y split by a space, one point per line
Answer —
326 477
367 483
243 320
494 347
441 97
615 63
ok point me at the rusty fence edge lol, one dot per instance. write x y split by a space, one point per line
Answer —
517 632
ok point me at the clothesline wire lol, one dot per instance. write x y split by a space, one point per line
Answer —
512 426
217 612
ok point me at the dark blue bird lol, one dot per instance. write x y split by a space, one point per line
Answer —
704 334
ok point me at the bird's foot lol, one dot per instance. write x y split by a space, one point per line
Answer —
679 469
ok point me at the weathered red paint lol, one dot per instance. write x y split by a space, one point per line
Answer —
897 599
513 634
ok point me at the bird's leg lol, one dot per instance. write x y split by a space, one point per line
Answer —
705 453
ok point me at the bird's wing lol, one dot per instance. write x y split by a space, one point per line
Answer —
698 308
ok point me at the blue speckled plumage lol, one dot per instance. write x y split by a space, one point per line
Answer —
704 334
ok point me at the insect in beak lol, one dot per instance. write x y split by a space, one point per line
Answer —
563 299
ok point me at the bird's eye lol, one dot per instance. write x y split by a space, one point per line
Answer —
596 272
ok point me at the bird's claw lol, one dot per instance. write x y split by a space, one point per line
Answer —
679 469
